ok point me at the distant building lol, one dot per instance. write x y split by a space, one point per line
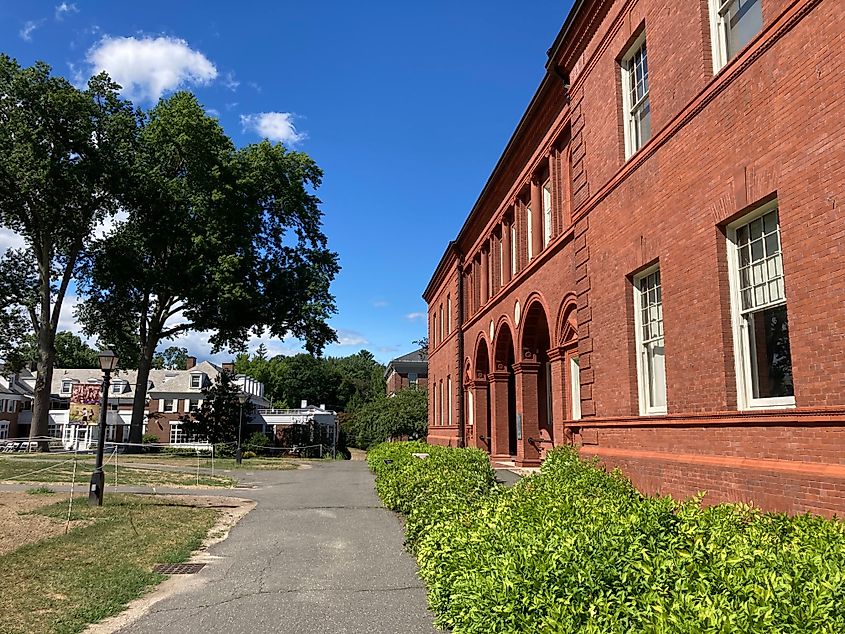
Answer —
170 395
410 370
307 424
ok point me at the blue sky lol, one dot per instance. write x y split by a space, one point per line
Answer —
405 106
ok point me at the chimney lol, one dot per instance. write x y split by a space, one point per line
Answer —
191 363
322 406
229 367
303 404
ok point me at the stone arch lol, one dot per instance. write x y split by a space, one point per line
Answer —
535 345
567 321
504 352
535 339
481 361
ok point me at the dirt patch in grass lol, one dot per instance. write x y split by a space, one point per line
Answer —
62 582
20 526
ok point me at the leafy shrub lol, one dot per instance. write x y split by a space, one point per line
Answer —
257 442
150 439
249 454
576 549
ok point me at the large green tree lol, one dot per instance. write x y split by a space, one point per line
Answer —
221 413
217 239
71 351
403 415
173 358
62 151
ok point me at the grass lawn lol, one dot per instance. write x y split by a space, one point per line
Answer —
59 469
62 583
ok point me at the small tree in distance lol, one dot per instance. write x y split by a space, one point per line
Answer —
217 419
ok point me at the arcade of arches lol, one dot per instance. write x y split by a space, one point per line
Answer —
519 387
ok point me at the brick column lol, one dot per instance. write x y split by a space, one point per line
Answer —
499 414
536 236
485 274
557 361
527 371
478 387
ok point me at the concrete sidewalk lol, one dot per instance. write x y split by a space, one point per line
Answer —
318 554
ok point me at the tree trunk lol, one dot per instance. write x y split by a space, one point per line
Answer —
46 359
139 403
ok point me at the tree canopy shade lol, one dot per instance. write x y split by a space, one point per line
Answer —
62 157
403 415
217 239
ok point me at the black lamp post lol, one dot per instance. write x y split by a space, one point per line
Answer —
108 362
242 398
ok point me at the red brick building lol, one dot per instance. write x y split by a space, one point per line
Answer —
409 370
655 270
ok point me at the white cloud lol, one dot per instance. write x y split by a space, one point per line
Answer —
64 9
230 82
276 126
350 338
213 112
148 67
10 240
28 27
414 316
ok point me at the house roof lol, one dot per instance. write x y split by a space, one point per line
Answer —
416 361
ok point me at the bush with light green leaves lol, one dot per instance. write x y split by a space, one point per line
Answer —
576 549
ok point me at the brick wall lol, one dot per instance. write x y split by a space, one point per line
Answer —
767 125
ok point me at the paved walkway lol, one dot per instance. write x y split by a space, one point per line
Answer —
318 554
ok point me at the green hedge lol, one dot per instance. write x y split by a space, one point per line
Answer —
576 549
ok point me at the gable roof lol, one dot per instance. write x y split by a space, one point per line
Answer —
413 362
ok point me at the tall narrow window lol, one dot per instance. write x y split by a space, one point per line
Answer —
635 101
434 402
575 387
733 24
758 302
513 249
448 314
502 261
440 402
651 367
547 213
440 324
449 400
529 225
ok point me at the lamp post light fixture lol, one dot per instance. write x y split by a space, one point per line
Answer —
243 397
108 363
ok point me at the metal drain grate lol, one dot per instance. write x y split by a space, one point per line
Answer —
178 569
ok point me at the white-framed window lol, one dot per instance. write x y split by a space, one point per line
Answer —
448 314
412 379
651 354
547 213
193 404
758 310
513 249
117 387
196 381
169 405
733 24
529 225
4 429
440 324
635 100
575 387
176 434
67 386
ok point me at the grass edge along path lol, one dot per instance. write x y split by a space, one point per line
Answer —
61 584
576 549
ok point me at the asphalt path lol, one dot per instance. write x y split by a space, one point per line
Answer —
318 554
